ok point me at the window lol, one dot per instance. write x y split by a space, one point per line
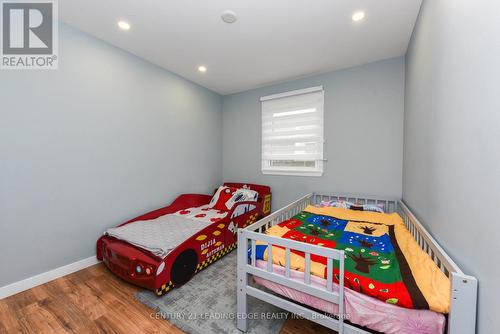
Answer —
292 132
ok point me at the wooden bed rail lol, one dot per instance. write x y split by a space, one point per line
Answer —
426 242
463 303
281 215
388 205
247 253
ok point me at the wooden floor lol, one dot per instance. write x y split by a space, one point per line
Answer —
94 301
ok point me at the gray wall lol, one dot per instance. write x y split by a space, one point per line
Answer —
105 137
363 132
452 137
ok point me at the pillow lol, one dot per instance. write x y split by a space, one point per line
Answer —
225 197
352 206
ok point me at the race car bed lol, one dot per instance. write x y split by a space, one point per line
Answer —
166 247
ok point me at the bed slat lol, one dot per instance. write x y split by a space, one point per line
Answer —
287 262
307 273
269 257
329 274
341 293
253 253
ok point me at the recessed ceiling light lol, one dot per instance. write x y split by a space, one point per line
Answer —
229 16
358 16
124 25
202 68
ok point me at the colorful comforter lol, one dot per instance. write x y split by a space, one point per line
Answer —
382 258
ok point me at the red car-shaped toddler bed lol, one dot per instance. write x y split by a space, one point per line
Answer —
166 247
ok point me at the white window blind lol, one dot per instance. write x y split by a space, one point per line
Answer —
292 132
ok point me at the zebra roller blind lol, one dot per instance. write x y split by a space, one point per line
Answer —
292 132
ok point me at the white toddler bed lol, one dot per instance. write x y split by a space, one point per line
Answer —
462 314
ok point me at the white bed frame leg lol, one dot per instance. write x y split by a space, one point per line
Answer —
241 316
462 317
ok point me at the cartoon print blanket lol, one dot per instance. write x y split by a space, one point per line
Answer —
382 258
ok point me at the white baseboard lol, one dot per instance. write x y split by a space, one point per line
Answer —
31 282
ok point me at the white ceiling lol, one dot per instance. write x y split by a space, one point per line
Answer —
272 40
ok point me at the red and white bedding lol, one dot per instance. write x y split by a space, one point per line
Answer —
203 214
159 236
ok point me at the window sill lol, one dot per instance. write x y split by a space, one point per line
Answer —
292 173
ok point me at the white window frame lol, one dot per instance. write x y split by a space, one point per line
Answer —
318 168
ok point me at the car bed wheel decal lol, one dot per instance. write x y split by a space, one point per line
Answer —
183 267
167 287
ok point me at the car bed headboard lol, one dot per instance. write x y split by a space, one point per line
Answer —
262 190
264 193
